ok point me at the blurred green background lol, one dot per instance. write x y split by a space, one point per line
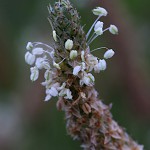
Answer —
29 123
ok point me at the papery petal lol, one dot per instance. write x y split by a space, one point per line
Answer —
83 66
29 46
82 55
97 68
86 80
52 54
45 83
53 92
34 73
81 82
62 86
37 51
68 94
29 58
76 70
54 36
47 98
48 74
91 77
39 63
56 85
102 64
46 65
63 92
56 65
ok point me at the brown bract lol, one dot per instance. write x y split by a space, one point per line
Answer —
90 121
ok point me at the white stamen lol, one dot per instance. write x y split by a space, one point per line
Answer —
100 11
109 53
102 64
56 65
73 54
99 24
54 36
69 44
113 29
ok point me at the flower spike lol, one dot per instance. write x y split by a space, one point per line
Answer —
68 69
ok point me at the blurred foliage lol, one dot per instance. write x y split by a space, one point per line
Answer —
139 9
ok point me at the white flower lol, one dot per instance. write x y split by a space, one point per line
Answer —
113 29
52 54
69 44
39 63
91 61
47 98
52 91
42 63
46 65
29 46
47 83
48 74
62 92
97 68
109 53
34 73
56 85
55 36
99 11
68 94
87 79
56 65
99 24
73 54
37 51
76 70
91 77
62 86
29 58
83 66
83 95
102 64
82 55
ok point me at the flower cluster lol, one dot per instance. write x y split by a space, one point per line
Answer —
40 58
82 63
90 62
98 25
69 70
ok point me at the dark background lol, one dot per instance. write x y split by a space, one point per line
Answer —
29 123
